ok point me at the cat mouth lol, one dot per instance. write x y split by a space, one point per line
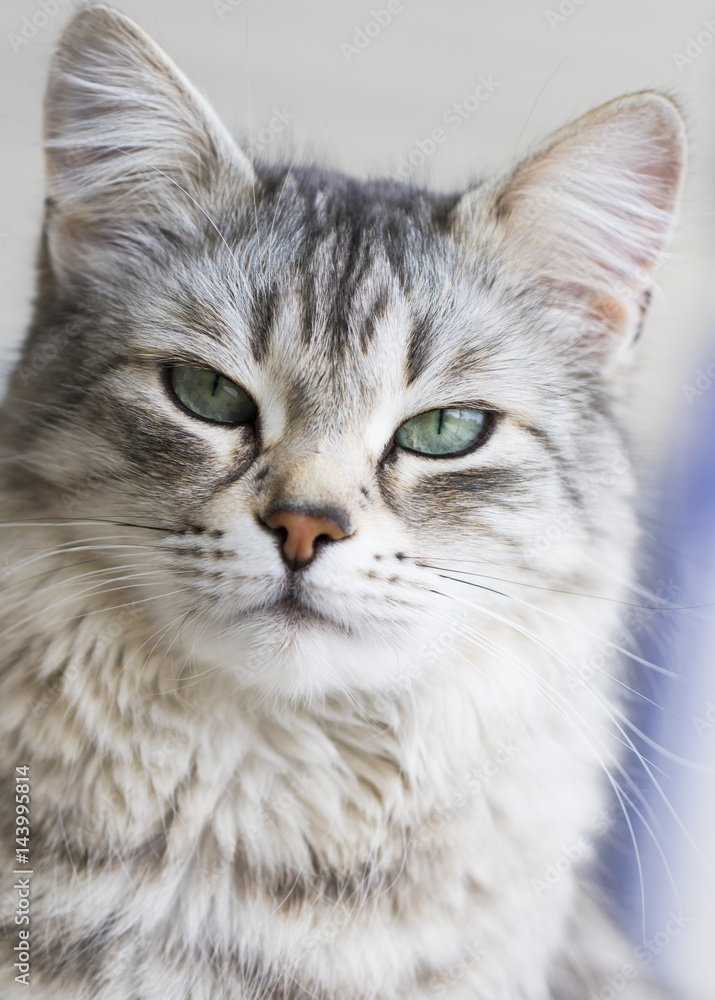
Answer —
293 609
296 612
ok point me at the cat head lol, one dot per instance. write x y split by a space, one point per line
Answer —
311 405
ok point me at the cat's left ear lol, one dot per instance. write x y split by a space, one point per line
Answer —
128 138
590 212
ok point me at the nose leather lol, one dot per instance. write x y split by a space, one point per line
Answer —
302 531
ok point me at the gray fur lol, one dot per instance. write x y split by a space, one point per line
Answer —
249 781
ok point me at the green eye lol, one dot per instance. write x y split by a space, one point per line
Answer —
212 396
443 432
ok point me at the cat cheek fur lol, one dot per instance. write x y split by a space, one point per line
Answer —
348 780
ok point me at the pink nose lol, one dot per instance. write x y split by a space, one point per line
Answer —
300 534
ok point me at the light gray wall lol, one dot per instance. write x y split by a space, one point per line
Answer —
548 62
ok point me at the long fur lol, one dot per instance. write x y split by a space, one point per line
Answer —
355 780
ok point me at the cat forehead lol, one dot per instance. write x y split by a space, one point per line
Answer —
332 295
324 272
315 202
336 326
344 245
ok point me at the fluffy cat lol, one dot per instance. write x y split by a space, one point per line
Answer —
316 525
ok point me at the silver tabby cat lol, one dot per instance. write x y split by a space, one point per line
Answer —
316 525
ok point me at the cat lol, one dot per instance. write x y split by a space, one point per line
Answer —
317 521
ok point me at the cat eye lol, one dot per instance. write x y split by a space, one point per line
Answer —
443 432
212 396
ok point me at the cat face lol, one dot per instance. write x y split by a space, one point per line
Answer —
328 413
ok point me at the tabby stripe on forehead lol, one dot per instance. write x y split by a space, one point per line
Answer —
312 236
337 282
418 348
357 262
377 312
260 321
339 298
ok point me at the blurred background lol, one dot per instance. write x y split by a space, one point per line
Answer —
361 86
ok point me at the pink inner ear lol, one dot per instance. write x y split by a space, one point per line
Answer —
610 312
596 205
662 159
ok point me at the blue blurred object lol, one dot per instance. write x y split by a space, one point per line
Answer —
654 881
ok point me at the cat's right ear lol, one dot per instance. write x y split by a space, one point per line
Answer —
591 211
127 136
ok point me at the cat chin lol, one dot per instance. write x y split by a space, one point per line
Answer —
283 655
